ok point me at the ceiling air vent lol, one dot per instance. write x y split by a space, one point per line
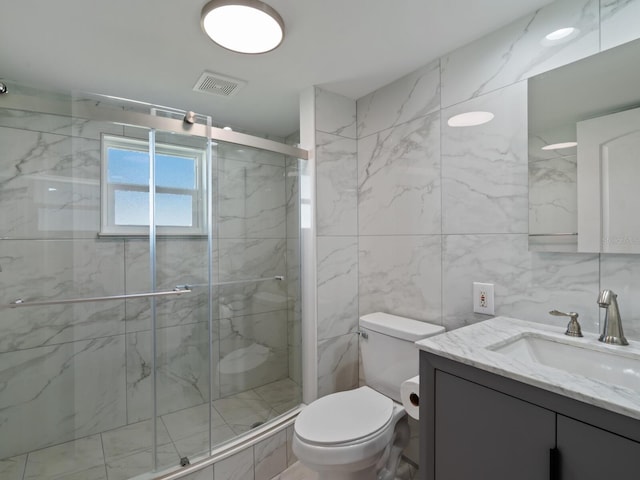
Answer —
220 85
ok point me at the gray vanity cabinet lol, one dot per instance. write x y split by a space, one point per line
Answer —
475 425
482 433
588 452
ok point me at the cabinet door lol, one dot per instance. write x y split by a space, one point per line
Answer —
589 453
483 434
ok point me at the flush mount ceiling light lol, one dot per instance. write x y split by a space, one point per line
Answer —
560 146
470 119
244 26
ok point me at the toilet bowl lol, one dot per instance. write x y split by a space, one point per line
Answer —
346 432
360 434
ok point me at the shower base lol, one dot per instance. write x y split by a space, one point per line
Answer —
125 452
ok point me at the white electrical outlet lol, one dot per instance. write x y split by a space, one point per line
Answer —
483 298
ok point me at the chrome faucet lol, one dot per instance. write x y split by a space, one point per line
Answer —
573 328
612 331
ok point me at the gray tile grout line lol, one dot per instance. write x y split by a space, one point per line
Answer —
104 457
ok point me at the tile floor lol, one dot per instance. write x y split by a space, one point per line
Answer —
125 452
297 471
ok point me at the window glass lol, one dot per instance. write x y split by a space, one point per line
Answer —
179 194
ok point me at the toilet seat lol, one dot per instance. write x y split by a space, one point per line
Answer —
344 417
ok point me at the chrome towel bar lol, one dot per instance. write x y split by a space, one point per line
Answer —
233 282
22 303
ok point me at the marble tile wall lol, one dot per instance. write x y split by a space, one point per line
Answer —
480 176
519 50
437 207
337 240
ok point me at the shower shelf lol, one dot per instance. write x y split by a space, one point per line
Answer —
21 303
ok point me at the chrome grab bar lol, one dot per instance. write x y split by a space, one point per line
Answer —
22 303
233 282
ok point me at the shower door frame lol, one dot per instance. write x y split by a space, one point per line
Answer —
98 111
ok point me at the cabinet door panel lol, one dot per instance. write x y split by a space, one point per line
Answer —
483 434
589 453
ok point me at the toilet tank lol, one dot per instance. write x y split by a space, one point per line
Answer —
388 353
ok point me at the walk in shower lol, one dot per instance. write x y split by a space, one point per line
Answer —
149 286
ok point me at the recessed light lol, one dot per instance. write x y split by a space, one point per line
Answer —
560 146
560 35
470 119
243 26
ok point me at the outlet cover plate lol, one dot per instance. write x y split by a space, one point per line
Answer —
483 298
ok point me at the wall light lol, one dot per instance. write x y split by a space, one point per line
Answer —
560 146
470 119
243 26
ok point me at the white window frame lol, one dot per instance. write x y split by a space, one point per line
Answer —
107 223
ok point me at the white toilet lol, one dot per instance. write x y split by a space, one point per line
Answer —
360 434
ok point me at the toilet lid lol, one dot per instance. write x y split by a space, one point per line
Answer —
344 416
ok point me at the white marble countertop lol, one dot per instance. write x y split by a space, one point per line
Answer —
469 345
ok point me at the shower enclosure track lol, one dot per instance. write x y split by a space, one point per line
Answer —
21 303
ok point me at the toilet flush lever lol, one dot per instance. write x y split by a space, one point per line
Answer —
363 334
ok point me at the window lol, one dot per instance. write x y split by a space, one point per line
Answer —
180 188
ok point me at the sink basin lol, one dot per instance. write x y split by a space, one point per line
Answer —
609 365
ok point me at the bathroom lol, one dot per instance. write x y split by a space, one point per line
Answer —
464 216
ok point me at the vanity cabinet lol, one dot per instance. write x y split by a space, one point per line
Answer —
478 425
588 452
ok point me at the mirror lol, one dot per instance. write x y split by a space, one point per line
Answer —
584 154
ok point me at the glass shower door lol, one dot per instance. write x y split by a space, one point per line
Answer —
149 302
63 367
182 331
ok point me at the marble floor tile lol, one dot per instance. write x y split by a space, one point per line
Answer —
125 452
406 471
128 466
133 438
243 410
281 395
191 421
13 468
198 443
297 471
79 459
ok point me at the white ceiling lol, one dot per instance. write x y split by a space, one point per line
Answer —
155 51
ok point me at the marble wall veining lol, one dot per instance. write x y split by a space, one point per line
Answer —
440 207
337 229
520 50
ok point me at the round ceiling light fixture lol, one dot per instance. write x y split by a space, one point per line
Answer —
243 26
470 119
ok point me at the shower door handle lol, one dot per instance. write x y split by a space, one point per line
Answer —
21 303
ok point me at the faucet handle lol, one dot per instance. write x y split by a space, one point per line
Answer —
573 328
